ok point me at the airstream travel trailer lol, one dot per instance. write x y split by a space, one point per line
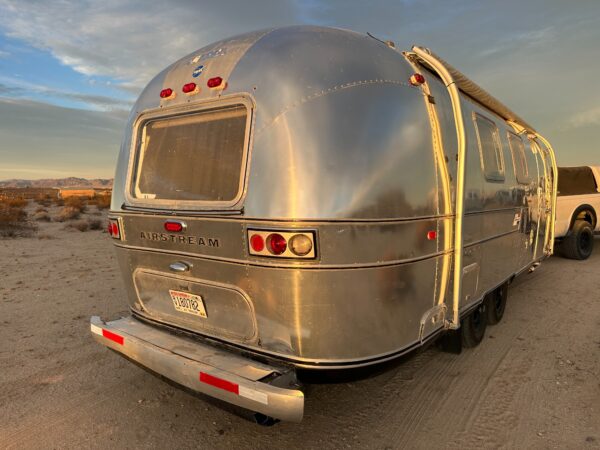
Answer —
313 198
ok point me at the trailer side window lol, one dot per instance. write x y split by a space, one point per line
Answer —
517 150
490 150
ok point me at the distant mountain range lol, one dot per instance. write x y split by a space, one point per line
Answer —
97 183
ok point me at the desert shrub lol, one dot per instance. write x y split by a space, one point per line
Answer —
67 213
40 209
103 201
95 224
58 201
80 225
45 236
46 201
41 216
78 203
16 202
13 221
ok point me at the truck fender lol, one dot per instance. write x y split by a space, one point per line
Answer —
580 209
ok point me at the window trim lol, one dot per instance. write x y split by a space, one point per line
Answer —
496 175
138 130
527 178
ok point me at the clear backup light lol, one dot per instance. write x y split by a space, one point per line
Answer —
300 244
282 244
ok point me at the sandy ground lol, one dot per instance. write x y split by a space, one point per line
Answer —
534 382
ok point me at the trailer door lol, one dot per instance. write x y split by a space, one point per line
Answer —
544 197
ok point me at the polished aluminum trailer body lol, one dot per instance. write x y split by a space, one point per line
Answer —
383 171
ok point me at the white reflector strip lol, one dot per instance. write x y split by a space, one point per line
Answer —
260 397
96 329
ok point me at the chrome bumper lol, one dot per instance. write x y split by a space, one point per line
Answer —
201 367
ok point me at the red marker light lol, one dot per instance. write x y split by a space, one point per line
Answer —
187 88
277 243
166 93
214 82
432 235
113 229
417 79
257 243
174 227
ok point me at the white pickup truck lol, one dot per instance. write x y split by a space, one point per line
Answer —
577 209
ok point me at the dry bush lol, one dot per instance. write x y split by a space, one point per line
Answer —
16 202
58 201
40 209
46 236
67 213
80 225
41 216
46 201
103 201
95 224
78 203
13 221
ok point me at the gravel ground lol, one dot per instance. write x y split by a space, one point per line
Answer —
534 382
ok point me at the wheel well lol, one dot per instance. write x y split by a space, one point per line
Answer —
584 212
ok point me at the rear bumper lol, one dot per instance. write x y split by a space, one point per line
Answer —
201 367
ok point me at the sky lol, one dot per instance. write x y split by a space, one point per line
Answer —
70 70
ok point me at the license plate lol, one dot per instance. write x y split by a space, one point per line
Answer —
188 303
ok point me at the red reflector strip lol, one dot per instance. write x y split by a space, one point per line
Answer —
219 383
113 337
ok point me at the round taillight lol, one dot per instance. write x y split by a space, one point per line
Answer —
189 87
277 243
214 82
432 235
417 79
300 244
257 243
165 93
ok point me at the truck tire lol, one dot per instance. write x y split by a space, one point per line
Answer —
496 304
579 243
473 326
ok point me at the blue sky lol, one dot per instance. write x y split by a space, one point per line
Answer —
70 70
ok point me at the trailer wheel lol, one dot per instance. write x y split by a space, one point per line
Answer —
473 326
496 304
579 243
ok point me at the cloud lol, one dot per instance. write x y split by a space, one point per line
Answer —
16 88
132 41
59 140
586 118
525 41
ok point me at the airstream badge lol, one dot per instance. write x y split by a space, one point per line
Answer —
180 239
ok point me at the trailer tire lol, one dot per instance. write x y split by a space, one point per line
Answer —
496 304
579 242
473 326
